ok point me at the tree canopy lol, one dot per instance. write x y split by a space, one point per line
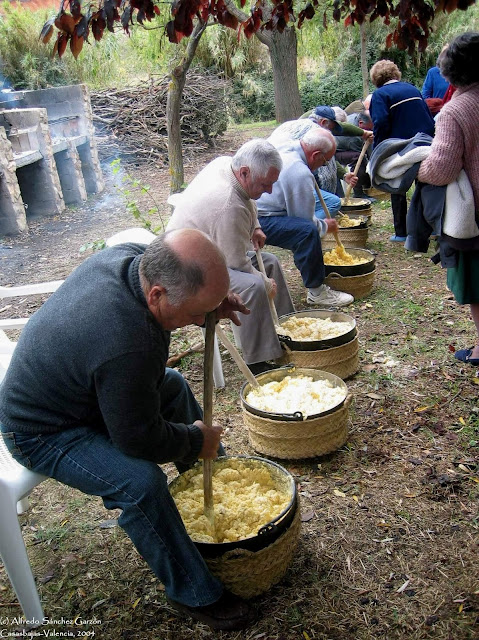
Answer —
76 20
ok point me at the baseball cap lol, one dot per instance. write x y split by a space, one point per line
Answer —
324 111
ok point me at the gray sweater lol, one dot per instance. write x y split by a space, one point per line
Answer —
293 193
93 355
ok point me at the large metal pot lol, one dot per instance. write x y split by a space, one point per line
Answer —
268 533
354 269
317 345
279 374
355 204
363 224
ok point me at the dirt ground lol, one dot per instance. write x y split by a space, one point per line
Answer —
389 537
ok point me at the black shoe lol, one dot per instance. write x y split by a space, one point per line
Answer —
260 367
228 613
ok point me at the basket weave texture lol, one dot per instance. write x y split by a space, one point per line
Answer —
250 573
376 193
291 440
358 286
354 238
343 360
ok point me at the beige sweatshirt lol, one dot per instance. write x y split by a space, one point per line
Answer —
215 203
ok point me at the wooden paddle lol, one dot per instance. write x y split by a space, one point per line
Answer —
272 308
326 211
236 356
208 410
356 169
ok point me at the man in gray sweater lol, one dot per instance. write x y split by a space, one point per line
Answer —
220 201
286 213
88 400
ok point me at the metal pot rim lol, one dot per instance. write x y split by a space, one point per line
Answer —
321 344
268 529
279 374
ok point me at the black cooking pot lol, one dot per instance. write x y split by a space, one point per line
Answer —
362 225
354 269
279 374
355 204
317 345
266 534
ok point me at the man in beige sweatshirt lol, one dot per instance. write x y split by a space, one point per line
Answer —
220 202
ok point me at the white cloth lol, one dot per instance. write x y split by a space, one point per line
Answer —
393 168
459 220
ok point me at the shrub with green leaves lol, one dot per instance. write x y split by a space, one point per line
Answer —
252 98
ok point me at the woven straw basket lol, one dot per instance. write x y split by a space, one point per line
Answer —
354 238
342 360
250 573
376 193
358 286
289 440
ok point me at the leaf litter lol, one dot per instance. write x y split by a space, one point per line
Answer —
388 547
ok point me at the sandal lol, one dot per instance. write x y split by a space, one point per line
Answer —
464 355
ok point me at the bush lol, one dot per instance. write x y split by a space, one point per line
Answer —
27 63
252 98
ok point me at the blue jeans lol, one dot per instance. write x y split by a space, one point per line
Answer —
87 460
302 238
332 202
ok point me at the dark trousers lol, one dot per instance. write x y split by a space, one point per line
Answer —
302 238
399 207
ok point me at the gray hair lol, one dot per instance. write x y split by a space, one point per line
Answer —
318 142
341 115
160 265
259 156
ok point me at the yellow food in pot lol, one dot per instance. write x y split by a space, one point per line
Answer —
341 258
344 221
307 328
296 393
245 499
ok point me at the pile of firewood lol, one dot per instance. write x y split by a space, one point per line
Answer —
131 122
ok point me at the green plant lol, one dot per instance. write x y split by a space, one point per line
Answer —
94 245
252 97
132 189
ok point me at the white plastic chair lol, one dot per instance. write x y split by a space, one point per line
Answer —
16 482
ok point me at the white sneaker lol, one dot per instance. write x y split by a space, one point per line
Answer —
329 297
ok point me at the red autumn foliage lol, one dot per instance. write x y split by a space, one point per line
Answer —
77 17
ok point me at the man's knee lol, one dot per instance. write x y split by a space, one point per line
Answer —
174 382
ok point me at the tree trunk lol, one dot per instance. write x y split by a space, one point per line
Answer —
173 106
283 51
364 59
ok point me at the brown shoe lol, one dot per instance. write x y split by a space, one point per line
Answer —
228 613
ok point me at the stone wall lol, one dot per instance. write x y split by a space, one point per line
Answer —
48 154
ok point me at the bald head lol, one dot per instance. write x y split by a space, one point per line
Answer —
319 146
185 262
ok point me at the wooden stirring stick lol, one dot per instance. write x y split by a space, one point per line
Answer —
236 356
326 211
208 411
272 308
356 169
